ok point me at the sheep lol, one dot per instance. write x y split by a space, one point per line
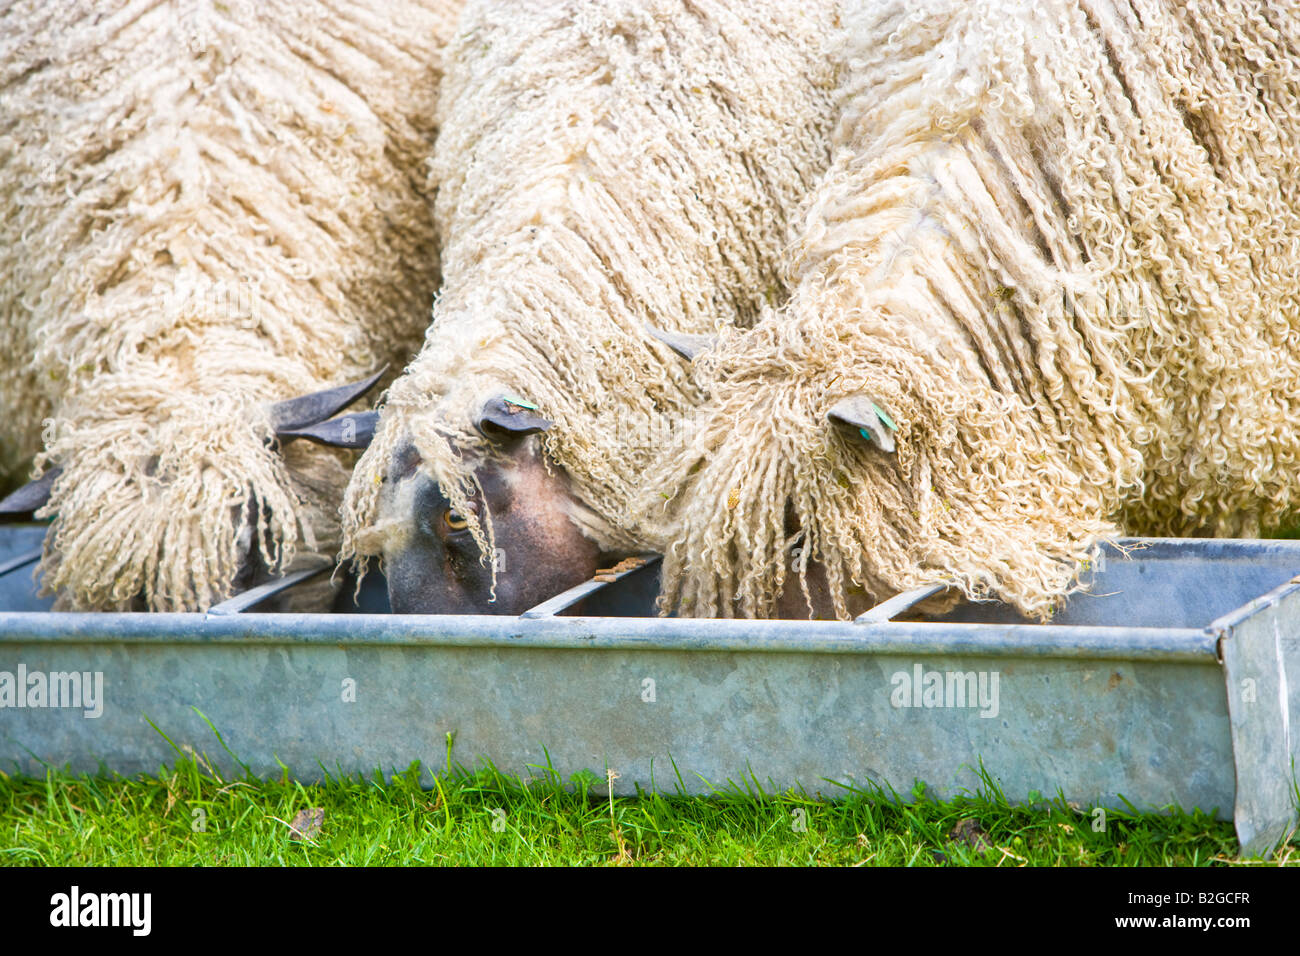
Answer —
1044 293
207 208
604 170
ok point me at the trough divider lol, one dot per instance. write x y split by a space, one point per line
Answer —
19 561
254 596
896 605
566 599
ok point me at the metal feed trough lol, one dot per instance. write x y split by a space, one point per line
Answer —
1166 684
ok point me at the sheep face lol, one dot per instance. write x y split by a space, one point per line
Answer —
431 559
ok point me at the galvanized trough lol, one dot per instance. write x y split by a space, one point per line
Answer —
1174 681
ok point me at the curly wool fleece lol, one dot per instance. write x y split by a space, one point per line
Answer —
600 167
207 206
1058 245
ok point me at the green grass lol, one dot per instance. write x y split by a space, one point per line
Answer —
188 814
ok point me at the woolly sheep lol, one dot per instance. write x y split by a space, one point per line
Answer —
1057 249
602 169
207 207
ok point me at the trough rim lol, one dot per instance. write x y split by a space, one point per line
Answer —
362 631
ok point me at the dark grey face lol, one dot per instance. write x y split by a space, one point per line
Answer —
435 567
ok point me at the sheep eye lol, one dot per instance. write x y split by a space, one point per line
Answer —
454 520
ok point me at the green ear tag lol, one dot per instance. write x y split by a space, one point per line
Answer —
510 399
880 413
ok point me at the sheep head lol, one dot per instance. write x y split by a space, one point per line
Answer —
308 417
433 560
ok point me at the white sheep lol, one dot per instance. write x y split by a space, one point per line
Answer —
603 168
206 207
1046 291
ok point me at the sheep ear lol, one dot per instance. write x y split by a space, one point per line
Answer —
504 417
683 343
297 413
347 431
871 421
29 498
